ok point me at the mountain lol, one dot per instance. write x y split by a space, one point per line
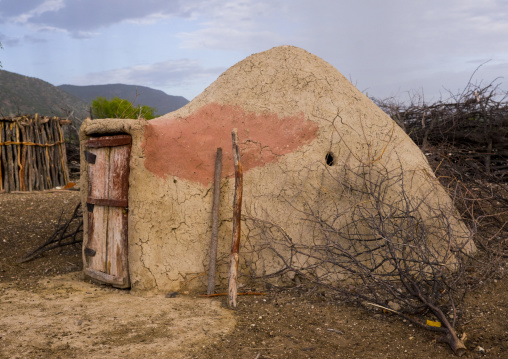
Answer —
140 95
28 95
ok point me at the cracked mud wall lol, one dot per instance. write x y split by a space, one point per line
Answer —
165 215
291 109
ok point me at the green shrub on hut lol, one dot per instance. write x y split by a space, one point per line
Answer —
120 108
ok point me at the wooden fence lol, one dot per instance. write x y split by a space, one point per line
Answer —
32 153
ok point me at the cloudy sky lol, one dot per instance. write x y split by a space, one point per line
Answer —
386 48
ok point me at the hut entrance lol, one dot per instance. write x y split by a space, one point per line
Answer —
105 252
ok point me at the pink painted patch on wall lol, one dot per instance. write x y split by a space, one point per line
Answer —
186 147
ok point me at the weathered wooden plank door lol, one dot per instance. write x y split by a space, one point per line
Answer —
106 255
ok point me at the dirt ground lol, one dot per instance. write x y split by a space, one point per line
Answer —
48 311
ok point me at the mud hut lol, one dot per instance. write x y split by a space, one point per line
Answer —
148 184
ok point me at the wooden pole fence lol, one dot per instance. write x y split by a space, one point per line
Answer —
32 153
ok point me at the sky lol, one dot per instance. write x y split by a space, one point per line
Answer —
389 48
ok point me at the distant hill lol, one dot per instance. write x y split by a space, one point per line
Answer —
28 95
141 95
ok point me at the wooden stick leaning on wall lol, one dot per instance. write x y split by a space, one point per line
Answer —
237 213
215 223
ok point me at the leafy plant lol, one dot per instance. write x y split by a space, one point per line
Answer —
120 108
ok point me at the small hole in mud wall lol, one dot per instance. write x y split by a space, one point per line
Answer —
330 159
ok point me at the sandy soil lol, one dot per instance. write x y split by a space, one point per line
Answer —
48 311
47 314
64 317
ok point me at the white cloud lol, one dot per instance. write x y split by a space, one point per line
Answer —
149 19
75 16
226 38
232 25
46 6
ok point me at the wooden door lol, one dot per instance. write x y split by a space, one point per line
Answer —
105 253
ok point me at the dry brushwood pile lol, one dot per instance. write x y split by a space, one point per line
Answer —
32 153
390 250
465 140
472 125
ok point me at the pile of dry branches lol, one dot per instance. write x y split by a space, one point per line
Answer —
465 139
391 251
472 125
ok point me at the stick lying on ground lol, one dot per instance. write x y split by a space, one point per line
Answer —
224 294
